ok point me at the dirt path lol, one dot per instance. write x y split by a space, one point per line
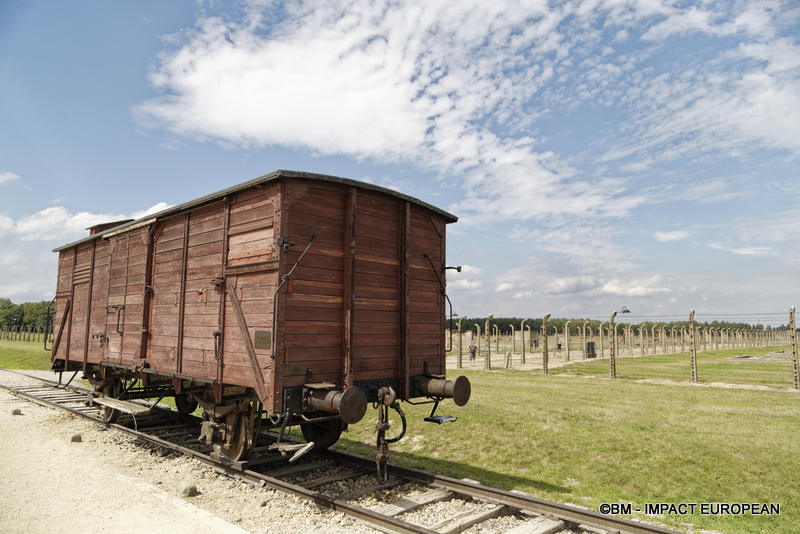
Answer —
107 483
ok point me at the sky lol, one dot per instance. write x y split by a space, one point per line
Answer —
598 153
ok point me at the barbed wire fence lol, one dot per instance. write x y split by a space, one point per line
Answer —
620 335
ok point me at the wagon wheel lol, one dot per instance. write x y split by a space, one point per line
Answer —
185 404
240 428
323 434
111 389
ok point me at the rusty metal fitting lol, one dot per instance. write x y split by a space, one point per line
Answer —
386 396
459 389
350 404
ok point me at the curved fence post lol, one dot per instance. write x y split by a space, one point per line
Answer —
612 331
602 341
793 335
544 343
460 361
522 333
487 331
694 346
513 340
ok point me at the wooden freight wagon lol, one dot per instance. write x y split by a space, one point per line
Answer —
293 298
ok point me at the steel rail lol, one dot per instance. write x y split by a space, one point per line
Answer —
565 512
320 499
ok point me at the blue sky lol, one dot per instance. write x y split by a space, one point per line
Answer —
599 153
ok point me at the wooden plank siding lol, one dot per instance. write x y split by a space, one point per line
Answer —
364 304
252 265
426 336
312 316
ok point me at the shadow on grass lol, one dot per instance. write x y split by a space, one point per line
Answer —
453 469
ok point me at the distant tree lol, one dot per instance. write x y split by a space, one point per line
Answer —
11 314
35 314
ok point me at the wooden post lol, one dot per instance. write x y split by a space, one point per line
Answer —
694 346
612 327
544 343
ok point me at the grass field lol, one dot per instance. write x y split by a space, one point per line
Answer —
588 441
23 355
712 366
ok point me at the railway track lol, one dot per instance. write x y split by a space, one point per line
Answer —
409 501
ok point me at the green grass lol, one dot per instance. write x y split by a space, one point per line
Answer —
586 442
712 366
23 355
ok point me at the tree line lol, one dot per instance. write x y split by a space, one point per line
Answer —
26 316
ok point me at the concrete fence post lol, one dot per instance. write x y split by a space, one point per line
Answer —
522 333
641 341
793 335
583 339
487 331
694 346
478 335
629 339
544 343
612 331
496 330
566 337
513 340
602 346
673 331
460 361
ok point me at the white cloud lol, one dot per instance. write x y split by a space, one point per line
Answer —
504 286
7 176
155 208
468 279
58 224
673 235
743 251
574 284
6 226
424 83
637 287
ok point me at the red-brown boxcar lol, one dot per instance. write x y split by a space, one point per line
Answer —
293 298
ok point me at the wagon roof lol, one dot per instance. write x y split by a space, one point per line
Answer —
275 175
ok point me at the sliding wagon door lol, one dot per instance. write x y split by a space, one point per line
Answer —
251 272
185 316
